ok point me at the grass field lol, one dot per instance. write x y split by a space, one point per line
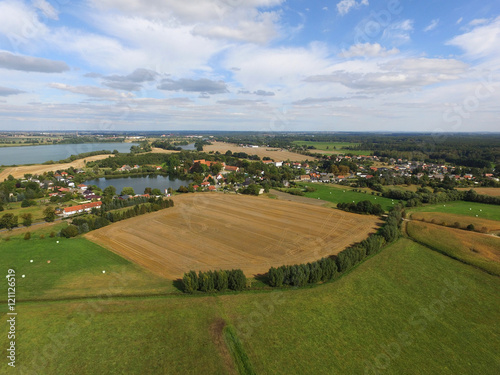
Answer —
336 194
483 211
334 147
75 269
408 310
450 219
477 249
213 230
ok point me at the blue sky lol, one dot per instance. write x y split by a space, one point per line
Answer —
266 65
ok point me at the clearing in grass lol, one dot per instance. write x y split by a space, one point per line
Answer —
477 249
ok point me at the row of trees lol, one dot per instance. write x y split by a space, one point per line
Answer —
363 207
101 218
211 281
327 269
324 269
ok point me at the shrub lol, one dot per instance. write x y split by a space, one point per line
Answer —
457 224
52 234
42 236
470 227
27 235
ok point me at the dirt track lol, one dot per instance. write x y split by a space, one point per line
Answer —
20 171
212 230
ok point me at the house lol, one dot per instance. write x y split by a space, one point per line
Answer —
278 163
82 187
212 188
305 177
230 168
86 207
125 168
205 184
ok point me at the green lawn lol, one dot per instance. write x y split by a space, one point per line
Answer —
399 301
407 310
484 211
338 195
148 336
334 147
75 269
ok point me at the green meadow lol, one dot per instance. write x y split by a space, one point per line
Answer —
484 211
407 310
334 147
338 195
56 268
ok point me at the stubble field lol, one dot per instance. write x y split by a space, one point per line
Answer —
212 231
274 153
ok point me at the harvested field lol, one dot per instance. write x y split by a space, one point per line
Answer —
494 192
20 171
224 231
450 220
274 153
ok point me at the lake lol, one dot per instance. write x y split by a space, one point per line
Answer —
138 183
40 154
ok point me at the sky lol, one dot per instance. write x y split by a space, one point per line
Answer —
252 65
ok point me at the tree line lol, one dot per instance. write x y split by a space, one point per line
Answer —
363 207
212 281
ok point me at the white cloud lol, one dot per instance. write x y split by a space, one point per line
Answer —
368 50
399 32
479 21
459 21
432 25
481 42
345 6
20 23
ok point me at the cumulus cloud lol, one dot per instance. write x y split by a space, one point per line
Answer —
91 91
194 85
132 81
6 91
432 25
368 50
345 6
31 64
